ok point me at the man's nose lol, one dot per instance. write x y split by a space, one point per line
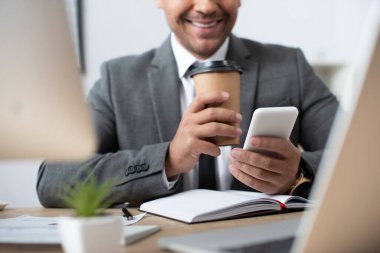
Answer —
206 7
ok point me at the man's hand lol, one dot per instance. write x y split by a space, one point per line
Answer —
200 122
268 174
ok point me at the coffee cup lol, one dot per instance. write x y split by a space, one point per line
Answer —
219 76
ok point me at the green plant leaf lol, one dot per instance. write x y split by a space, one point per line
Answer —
88 198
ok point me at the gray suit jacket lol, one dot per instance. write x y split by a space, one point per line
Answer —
136 111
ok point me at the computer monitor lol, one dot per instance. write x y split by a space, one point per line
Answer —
348 186
43 113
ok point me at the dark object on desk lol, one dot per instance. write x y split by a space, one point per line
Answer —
127 214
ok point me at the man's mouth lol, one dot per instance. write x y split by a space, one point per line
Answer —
204 24
205 27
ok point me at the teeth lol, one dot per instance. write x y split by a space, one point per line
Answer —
202 25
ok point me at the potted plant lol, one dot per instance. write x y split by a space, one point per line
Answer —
89 230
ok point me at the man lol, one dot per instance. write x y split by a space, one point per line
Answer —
152 129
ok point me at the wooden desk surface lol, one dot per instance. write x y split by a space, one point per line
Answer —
149 244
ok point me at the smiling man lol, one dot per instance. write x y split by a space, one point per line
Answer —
152 130
200 27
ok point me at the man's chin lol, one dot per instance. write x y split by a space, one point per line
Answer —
206 48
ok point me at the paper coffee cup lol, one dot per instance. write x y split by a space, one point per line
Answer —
219 76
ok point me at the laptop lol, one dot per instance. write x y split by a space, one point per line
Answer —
347 187
43 111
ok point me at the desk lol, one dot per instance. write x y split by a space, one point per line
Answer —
168 228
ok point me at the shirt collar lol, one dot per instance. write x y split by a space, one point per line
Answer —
185 59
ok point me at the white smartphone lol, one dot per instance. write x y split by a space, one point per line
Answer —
271 121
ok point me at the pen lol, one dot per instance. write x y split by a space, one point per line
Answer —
127 214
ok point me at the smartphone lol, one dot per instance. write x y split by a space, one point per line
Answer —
271 121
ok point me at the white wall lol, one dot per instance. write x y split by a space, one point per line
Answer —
327 31
18 183
120 27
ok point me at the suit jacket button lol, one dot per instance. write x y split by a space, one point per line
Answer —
144 167
129 170
137 168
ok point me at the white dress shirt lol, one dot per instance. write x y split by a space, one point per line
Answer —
184 60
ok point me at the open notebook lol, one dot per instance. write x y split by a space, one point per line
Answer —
206 205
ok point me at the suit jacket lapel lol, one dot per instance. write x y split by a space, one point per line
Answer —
164 86
248 85
238 52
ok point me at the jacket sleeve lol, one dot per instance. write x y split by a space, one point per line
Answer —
318 108
137 173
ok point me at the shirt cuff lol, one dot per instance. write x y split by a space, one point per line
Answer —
169 184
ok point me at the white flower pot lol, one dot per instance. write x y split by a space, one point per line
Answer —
91 235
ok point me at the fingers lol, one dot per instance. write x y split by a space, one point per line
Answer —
273 144
199 146
258 160
212 122
210 129
213 129
208 148
256 172
268 174
202 100
184 151
250 181
197 124
204 122
219 115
